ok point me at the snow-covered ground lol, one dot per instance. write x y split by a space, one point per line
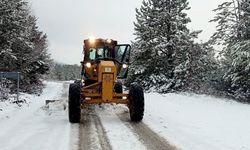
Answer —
199 122
33 126
189 122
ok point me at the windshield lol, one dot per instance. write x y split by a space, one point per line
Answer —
95 53
119 52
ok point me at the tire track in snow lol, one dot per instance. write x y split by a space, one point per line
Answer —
119 135
84 133
103 139
91 132
148 137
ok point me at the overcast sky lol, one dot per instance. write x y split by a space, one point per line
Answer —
68 22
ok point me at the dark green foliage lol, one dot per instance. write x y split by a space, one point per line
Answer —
202 70
23 47
165 56
65 72
233 32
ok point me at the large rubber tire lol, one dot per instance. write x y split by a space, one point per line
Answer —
74 103
118 87
136 102
78 82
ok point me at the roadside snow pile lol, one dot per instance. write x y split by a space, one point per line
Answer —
26 99
12 103
55 107
31 127
199 122
59 106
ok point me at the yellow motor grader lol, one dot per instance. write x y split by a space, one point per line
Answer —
104 66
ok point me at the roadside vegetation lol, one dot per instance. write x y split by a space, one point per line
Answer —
64 72
23 48
167 58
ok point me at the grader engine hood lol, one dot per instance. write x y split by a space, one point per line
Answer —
106 67
107 75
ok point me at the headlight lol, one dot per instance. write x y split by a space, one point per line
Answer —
88 64
124 66
91 40
109 40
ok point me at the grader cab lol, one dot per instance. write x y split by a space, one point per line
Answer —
104 67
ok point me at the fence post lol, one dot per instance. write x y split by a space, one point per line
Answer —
18 78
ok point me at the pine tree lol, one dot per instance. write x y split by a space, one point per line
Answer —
203 67
23 46
233 31
38 63
12 28
65 72
163 45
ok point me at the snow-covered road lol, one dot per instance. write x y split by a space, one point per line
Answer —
110 126
187 122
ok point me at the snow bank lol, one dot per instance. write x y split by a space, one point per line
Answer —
199 122
34 126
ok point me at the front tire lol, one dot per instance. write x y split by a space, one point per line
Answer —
136 102
74 103
118 88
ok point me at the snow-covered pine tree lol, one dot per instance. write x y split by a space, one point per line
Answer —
23 47
203 67
233 31
12 26
35 63
65 72
163 45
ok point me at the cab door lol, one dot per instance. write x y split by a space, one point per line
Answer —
122 54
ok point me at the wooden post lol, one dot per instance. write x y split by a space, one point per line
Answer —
18 82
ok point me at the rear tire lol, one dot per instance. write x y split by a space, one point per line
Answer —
136 103
74 102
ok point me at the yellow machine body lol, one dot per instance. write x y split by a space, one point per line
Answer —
103 90
104 65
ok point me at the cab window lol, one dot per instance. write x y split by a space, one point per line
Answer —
122 53
100 52
120 50
92 53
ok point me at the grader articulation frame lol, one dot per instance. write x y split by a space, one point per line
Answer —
105 64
